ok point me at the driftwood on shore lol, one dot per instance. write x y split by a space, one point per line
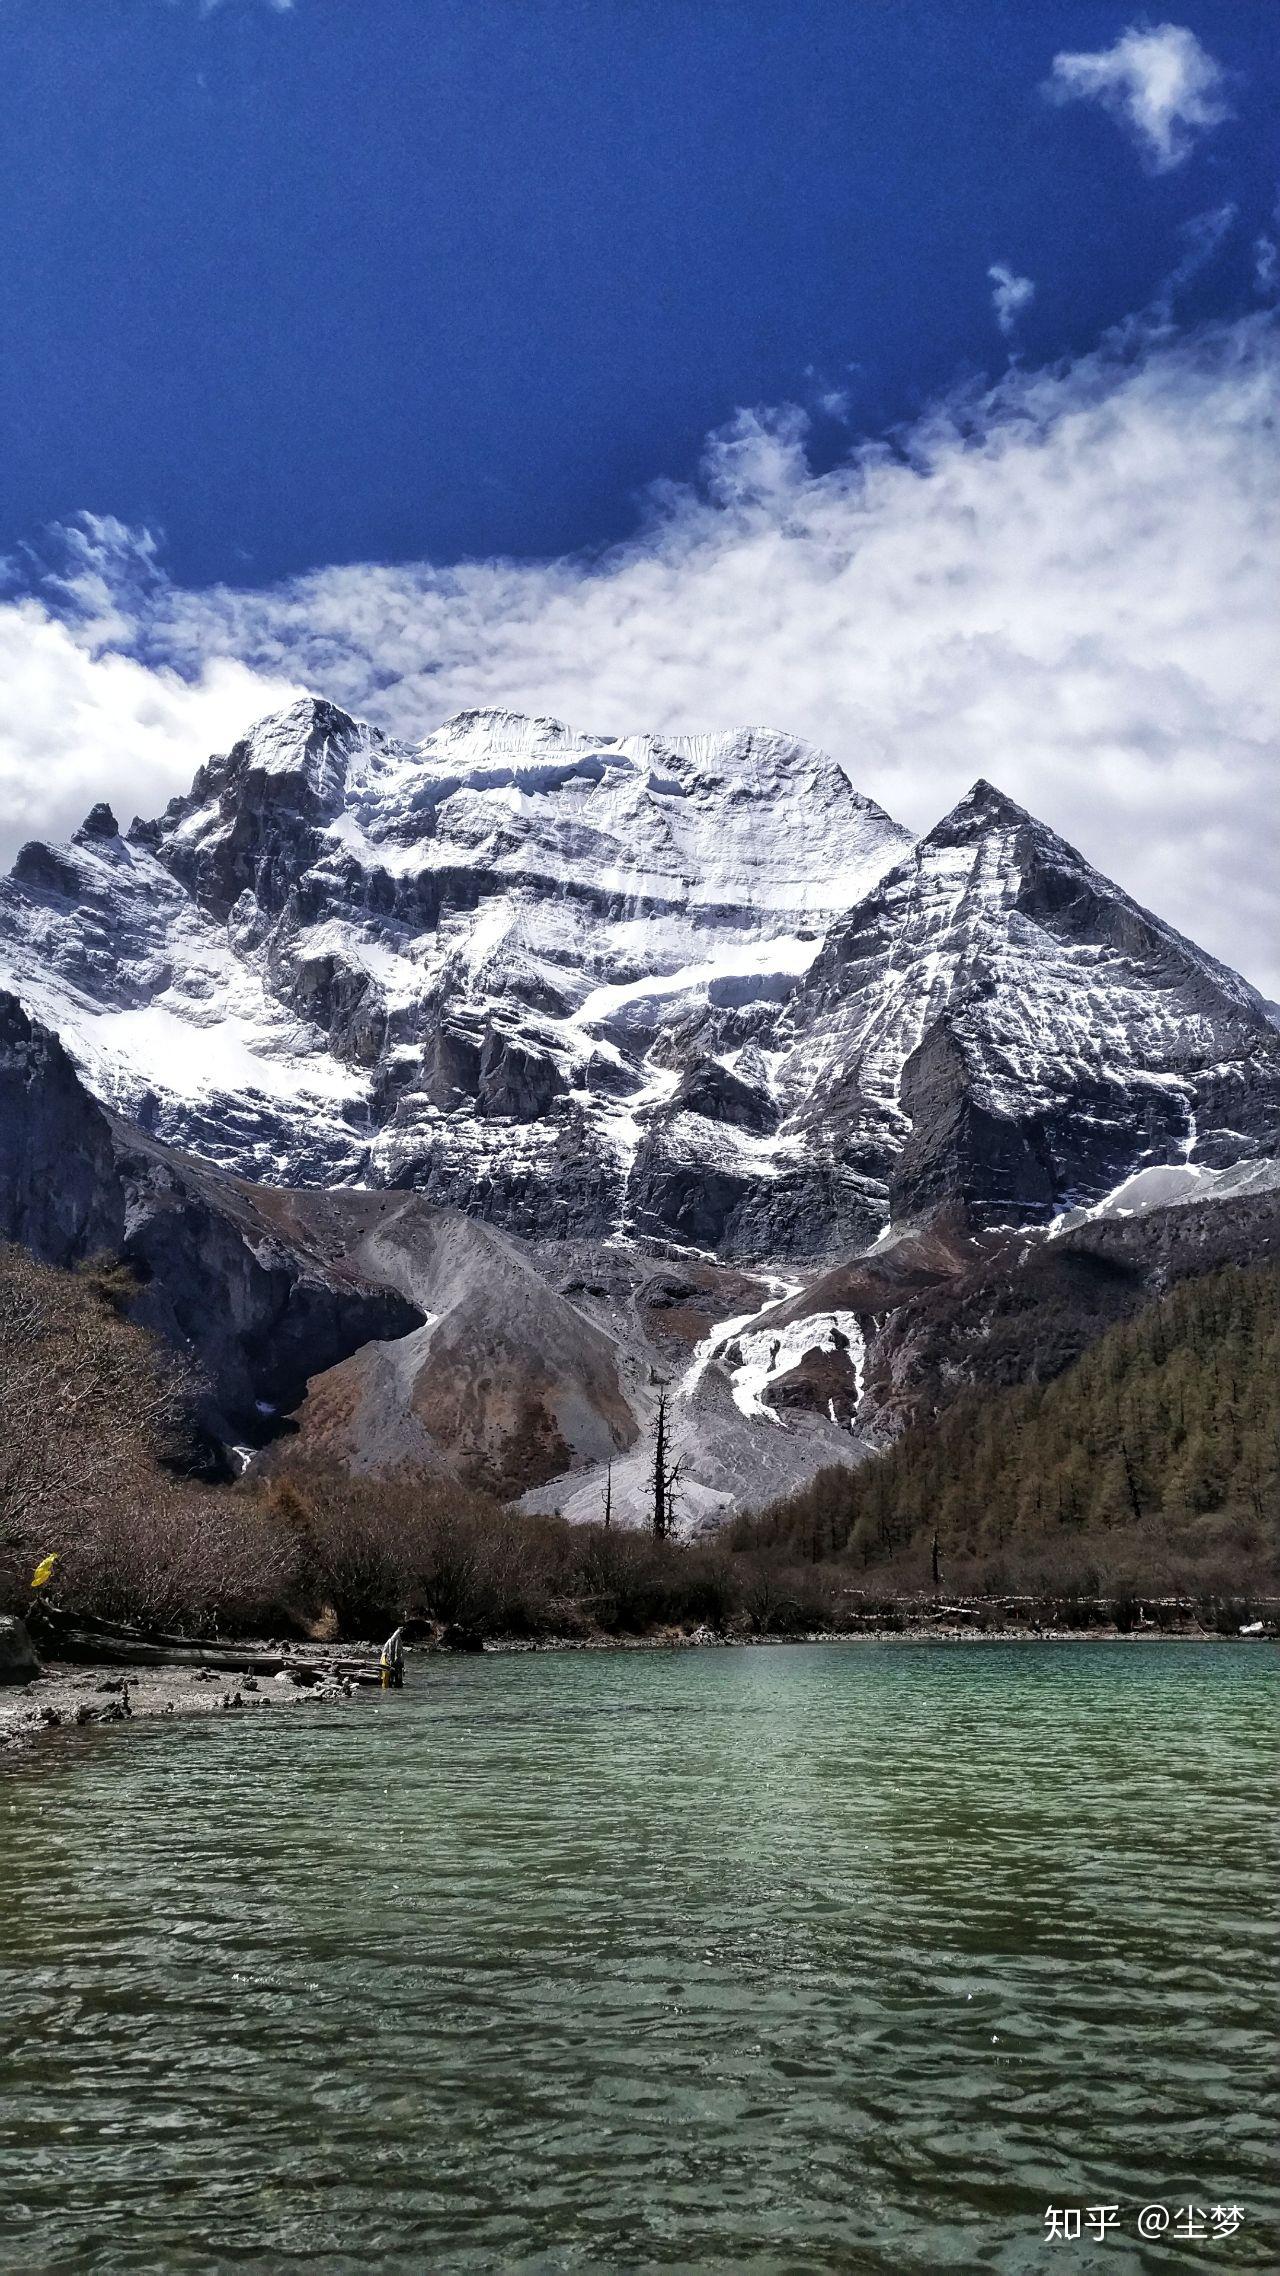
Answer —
80 1637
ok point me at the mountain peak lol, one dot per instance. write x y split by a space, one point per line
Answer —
495 727
99 823
983 807
285 741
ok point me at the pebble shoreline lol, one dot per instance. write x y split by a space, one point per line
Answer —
72 1697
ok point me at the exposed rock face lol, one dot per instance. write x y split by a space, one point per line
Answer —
59 1195
696 990
506 1383
259 1313
1021 1310
99 822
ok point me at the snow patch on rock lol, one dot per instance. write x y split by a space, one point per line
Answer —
769 1353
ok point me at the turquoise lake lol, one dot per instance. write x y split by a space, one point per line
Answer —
801 1958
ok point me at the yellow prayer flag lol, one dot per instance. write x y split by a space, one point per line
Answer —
43 1570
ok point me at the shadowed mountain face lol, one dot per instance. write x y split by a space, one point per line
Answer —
698 990
997 1025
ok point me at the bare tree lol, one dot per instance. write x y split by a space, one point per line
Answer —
666 1473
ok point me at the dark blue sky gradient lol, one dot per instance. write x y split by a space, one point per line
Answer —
440 278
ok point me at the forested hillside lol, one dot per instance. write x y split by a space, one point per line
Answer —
1154 1459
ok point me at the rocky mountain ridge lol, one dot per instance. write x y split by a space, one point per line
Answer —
689 990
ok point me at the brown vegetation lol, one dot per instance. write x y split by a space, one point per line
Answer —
94 1436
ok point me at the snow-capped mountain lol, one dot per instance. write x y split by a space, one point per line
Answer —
698 989
996 1021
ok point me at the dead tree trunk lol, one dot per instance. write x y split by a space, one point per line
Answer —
665 1474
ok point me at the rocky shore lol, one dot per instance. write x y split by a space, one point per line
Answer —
66 1696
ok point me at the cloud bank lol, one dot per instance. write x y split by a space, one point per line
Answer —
1159 82
1065 584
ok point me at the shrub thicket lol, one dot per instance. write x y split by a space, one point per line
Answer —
94 1431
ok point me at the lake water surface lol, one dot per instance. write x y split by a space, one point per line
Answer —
804 1958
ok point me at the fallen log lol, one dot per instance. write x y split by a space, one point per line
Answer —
82 1637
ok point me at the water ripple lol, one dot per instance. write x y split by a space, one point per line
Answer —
807 1959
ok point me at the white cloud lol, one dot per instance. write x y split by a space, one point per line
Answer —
1158 80
1011 295
77 724
1202 239
1066 585
1266 265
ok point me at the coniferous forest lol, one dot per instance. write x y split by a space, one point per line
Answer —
1155 1458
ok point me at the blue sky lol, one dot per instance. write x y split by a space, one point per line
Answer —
899 372
447 277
